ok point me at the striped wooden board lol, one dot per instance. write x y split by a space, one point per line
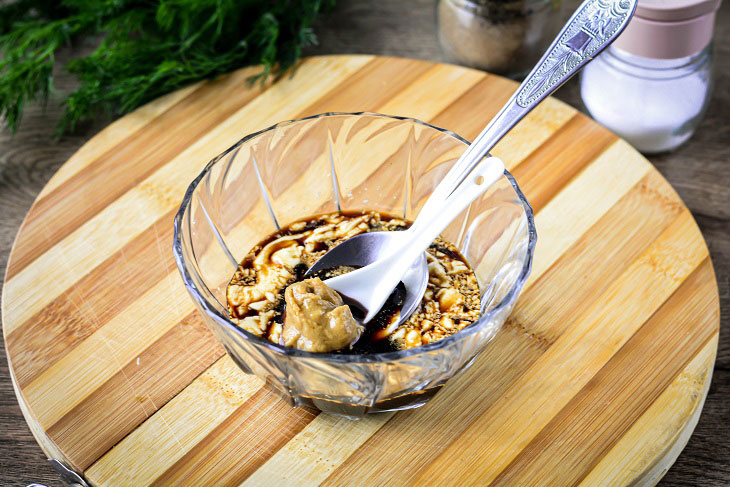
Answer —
598 377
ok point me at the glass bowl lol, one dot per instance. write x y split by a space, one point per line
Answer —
347 161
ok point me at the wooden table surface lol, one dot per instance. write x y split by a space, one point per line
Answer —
700 171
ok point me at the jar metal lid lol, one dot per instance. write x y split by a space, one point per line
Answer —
669 29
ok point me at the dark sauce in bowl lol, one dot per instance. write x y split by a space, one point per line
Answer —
317 235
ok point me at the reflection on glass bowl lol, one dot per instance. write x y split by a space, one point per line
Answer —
347 161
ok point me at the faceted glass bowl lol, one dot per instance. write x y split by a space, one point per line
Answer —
347 161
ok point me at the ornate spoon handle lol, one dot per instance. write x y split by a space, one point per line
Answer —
592 28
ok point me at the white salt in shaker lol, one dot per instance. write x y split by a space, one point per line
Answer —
652 85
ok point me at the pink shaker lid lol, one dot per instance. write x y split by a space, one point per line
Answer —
669 29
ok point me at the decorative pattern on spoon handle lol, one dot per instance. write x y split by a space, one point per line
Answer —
592 27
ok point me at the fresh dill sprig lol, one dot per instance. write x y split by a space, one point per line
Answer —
149 48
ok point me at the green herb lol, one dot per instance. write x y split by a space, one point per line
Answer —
149 48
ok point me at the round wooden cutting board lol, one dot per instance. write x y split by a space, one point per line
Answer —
598 377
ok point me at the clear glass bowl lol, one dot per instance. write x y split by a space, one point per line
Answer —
346 161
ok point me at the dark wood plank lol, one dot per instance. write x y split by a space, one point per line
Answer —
699 171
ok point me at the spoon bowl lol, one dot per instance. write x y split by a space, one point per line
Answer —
372 283
367 248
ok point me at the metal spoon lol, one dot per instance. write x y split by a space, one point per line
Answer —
390 257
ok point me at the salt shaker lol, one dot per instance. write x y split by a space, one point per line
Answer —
652 85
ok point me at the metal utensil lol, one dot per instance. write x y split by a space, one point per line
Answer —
389 257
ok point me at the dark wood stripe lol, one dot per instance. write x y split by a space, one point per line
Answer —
127 164
136 392
471 112
542 314
552 165
241 444
375 84
604 410
91 302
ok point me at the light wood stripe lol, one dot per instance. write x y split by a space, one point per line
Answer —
661 424
419 100
311 456
122 379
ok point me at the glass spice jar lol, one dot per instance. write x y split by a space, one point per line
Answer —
653 84
500 36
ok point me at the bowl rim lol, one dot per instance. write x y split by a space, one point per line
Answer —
338 357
